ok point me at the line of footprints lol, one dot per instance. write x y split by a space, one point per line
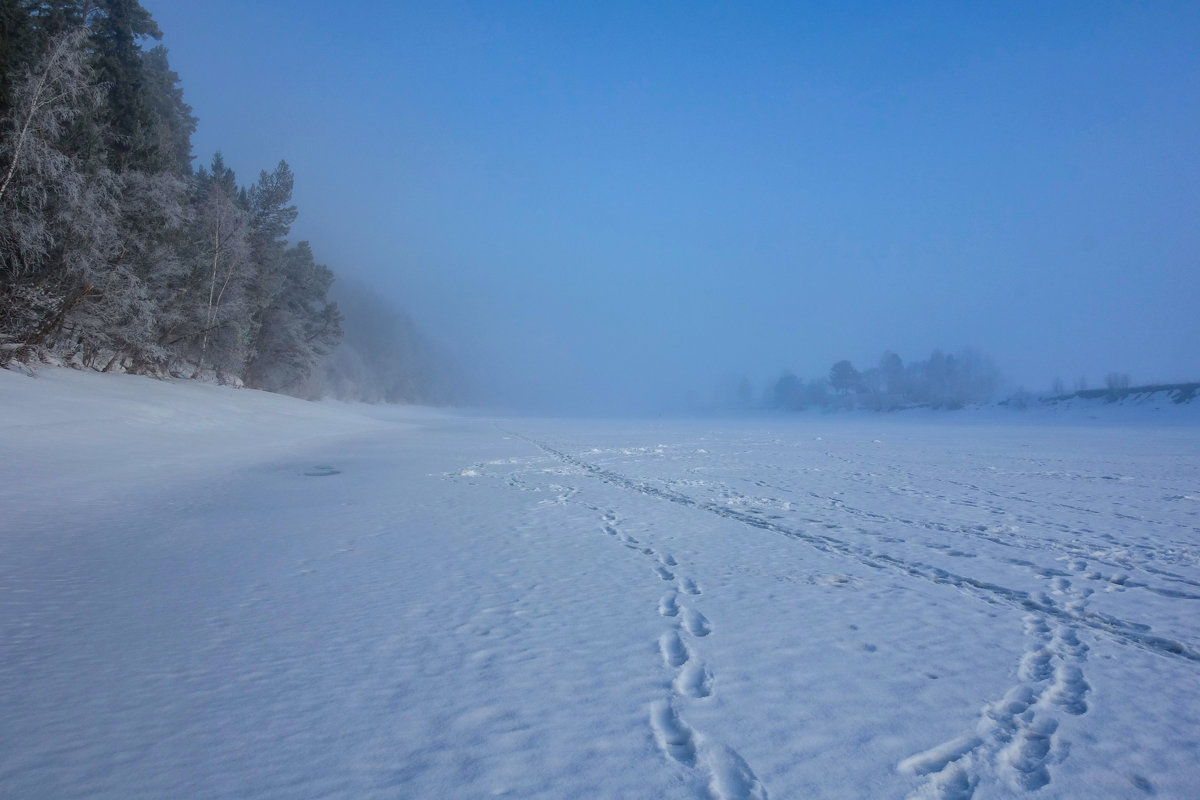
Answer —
719 770
1016 739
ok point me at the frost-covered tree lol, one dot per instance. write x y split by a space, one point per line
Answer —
57 224
120 134
207 317
154 213
115 255
164 142
271 217
298 327
291 325
81 247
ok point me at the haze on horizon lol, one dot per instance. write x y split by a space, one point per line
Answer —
625 206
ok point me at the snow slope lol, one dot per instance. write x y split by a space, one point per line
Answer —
216 593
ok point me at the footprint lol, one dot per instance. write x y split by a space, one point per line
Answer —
673 735
954 783
688 586
1069 689
732 778
669 560
668 606
1067 641
665 573
694 680
1035 625
1027 755
610 530
1035 666
696 623
674 651
1016 701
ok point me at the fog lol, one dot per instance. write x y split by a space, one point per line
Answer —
614 207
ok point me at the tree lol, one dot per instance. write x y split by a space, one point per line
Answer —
115 255
891 369
57 224
786 393
843 377
207 315
19 47
1117 384
292 324
298 327
44 102
271 215
153 214
120 140
165 140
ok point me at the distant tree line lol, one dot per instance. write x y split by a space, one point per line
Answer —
115 253
383 357
941 381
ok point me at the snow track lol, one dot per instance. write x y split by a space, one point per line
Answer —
707 762
1125 631
1017 741
1014 740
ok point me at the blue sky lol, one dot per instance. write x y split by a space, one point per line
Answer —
618 204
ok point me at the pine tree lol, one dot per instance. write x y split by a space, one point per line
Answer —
119 140
298 327
165 141
291 324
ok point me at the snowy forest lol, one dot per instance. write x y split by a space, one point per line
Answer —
117 254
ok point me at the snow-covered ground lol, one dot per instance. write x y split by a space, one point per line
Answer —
216 593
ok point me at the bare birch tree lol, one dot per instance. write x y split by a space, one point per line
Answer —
221 268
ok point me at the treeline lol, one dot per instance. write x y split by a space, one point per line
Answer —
115 253
942 381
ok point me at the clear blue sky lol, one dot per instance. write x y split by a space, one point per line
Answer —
621 201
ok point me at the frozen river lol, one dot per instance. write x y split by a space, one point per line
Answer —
206 593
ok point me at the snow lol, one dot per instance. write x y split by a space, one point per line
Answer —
208 592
